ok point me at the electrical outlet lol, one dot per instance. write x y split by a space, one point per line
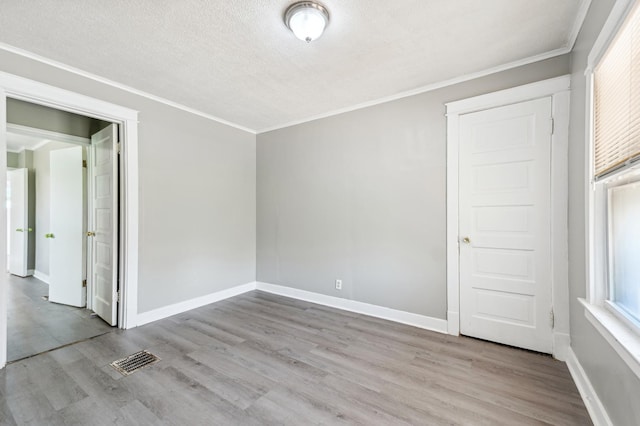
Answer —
338 284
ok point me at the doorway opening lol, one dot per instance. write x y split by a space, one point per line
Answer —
125 271
62 228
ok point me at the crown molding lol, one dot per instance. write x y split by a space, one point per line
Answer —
577 24
428 88
568 46
124 87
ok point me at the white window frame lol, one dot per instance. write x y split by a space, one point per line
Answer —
617 329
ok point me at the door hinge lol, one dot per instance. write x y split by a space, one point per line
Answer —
84 163
119 147
118 296
553 126
84 283
552 318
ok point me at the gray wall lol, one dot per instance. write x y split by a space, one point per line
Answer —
12 160
616 385
197 216
41 117
361 197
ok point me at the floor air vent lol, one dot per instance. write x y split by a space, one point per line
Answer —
134 362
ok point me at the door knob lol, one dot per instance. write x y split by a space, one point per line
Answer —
91 234
19 230
466 240
49 236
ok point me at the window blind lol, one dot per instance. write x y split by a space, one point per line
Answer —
617 100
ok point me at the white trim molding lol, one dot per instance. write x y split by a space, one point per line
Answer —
561 345
46 135
589 396
408 318
537 90
15 87
621 338
41 276
558 89
187 305
427 88
621 334
583 9
616 18
103 80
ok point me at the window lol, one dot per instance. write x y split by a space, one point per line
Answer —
624 249
616 151
613 299
616 104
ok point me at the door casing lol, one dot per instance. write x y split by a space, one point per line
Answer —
559 89
15 87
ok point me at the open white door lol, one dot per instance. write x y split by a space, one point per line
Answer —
103 234
505 224
18 221
66 233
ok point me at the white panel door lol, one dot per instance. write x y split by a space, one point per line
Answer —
18 221
505 229
66 233
104 222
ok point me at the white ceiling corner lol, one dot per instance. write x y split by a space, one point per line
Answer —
235 61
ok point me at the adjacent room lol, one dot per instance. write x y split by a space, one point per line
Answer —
320 212
51 212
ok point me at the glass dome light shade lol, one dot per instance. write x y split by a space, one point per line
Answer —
307 20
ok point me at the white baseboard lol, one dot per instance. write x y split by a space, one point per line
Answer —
594 406
561 345
41 276
187 305
420 321
453 323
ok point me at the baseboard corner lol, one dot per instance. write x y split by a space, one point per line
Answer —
561 345
403 317
453 323
187 305
41 276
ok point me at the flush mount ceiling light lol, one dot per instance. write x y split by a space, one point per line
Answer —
307 20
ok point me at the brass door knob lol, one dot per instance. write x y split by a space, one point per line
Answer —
49 236
19 230
91 234
466 240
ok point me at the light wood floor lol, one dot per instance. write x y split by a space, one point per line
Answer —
263 359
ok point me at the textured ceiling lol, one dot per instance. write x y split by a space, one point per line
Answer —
236 60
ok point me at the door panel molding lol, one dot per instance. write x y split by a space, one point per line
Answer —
66 223
558 88
20 88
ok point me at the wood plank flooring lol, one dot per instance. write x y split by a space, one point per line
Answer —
36 325
261 359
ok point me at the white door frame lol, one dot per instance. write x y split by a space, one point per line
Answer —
15 87
558 88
